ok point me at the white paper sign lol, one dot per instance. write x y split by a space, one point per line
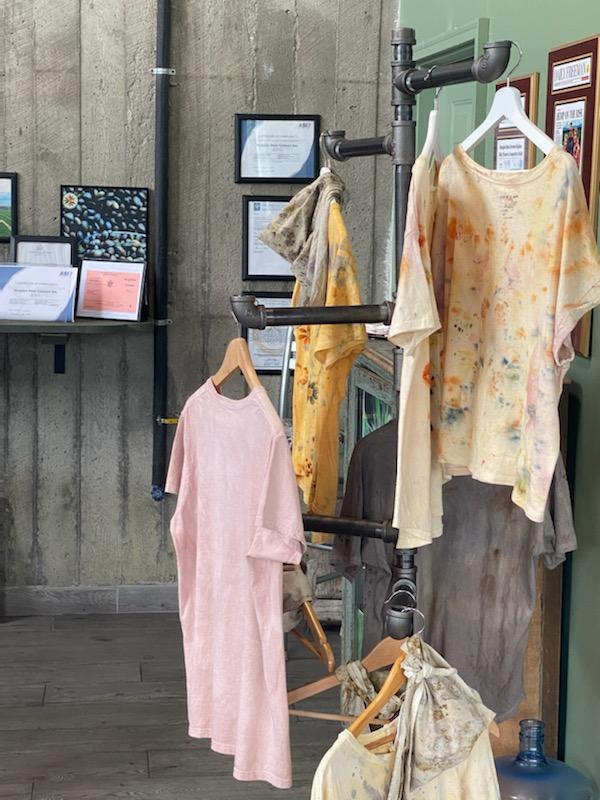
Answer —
37 294
510 153
267 346
276 148
572 73
261 259
569 119
44 253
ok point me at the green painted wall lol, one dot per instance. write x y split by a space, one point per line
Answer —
538 25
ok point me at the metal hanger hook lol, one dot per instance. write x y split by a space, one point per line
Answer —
429 72
415 611
516 44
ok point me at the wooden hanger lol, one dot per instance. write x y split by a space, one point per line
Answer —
392 685
382 655
237 357
319 646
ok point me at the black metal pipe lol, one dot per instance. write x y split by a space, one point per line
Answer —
345 526
251 314
488 67
338 147
161 219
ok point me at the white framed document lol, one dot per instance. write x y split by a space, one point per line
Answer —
49 251
267 346
111 289
37 293
276 148
259 262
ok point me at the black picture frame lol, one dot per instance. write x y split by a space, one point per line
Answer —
130 244
7 230
312 163
15 241
275 332
247 274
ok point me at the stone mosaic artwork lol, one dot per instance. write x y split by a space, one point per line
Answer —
108 222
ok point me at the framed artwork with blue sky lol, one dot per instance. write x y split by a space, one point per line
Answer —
8 206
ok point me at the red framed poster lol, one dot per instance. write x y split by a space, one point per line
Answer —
572 121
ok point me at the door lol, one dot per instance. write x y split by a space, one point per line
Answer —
464 106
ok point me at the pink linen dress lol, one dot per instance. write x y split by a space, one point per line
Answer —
237 521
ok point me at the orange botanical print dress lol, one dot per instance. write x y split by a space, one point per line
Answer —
324 357
515 266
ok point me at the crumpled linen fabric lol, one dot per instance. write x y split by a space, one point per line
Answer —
443 750
296 591
359 689
299 234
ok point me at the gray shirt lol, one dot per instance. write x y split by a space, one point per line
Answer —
476 583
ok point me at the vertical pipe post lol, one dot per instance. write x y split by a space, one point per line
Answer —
403 155
161 218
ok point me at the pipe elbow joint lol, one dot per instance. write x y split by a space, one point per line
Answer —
492 62
248 312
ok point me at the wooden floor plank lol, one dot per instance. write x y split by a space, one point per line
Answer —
126 692
222 787
21 791
15 695
43 672
105 739
63 716
71 766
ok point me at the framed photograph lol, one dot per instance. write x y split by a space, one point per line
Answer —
573 121
512 150
107 222
43 250
259 262
111 289
9 206
276 148
267 346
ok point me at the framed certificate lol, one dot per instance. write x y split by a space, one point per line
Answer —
512 150
110 289
276 148
37 293
572 121
267 346
44 250
259 262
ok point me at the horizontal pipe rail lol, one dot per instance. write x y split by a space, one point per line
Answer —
251 314
345 526
338 147
485 69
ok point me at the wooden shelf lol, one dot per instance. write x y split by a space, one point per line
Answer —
80 326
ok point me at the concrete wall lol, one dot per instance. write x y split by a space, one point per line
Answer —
76 98
537 26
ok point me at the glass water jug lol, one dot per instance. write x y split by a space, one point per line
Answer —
532 776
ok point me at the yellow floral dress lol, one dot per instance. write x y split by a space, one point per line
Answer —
324 357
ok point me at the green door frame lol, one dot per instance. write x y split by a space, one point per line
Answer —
456 45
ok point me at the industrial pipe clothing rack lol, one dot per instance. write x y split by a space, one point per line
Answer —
399 143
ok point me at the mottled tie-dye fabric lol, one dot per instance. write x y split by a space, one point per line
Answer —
415 328
348 771
514 265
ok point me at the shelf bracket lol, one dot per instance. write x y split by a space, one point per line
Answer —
59 340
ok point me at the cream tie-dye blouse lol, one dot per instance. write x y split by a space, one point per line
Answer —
515 265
